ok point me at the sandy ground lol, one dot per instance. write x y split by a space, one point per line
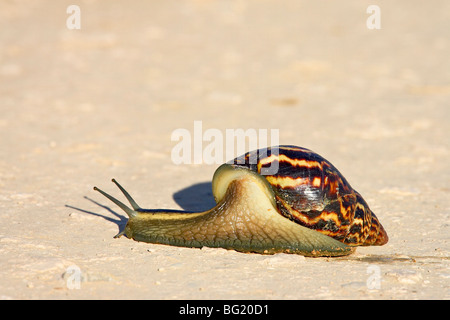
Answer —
78 107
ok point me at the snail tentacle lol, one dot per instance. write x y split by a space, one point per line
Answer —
130 212
133 203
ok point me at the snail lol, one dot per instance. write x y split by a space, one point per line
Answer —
271 200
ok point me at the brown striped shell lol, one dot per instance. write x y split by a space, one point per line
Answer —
312 192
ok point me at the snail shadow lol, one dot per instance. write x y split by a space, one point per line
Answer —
121 220
195 198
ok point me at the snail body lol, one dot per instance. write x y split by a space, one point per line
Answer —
305 206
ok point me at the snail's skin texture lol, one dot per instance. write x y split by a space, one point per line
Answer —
248 217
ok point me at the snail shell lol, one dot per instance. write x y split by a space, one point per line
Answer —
312 192
279 199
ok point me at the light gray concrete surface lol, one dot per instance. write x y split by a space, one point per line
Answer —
78 107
